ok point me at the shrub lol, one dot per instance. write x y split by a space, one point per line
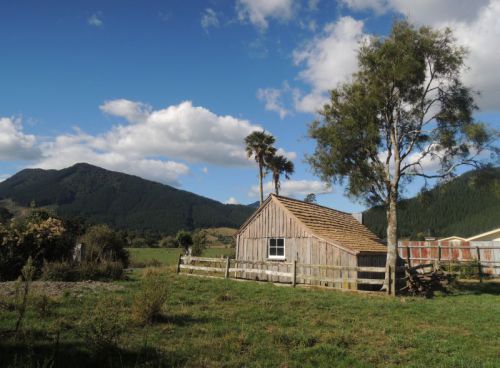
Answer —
59 271
104 324
151 297
65 271
104 244
168 242
199 243
42 305
37 236
146 263
184 239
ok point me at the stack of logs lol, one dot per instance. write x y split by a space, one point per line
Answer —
425 283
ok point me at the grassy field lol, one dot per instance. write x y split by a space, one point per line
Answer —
226 323
169 256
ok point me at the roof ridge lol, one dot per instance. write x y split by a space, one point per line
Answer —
310 203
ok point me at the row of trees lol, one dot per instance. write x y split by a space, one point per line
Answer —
260 146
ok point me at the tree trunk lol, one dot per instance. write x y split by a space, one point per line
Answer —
392 237
276 184
260 183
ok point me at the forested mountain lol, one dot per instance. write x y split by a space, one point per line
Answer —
120 200
465 206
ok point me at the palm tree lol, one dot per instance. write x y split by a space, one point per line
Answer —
260 145
278 165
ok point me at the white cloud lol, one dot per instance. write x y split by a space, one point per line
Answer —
95 20
204 170
293 188
232 200
474 23
209 19
259 11
4 177
275 98
152 143
66 150
328 59
183 131
289 155
14 143
135 112
481 37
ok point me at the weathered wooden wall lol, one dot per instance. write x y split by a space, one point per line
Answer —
300 245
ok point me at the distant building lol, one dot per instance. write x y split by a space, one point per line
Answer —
492 235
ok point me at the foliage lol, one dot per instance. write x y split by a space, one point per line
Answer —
465 206
145 263
168 242
149 300
310 198
199 243
5 215
404 108
104 324
22 293
259 145
122 201
279 165
38 236
184 239
103 244
67 271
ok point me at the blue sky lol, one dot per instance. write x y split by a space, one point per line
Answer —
166 90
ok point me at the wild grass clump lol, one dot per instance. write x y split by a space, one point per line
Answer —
149 300
104 324
66 271
145 263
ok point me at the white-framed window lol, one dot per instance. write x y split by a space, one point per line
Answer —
276 248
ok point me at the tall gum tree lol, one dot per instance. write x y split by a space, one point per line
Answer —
405 113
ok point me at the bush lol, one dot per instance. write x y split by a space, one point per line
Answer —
104 324
199 243
148 302
184 239
37 236
168 242
65 271
146 263
59 271
104 244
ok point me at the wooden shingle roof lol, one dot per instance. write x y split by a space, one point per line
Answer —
333 226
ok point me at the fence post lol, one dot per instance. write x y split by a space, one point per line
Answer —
294 273
408 259
226 274
479 270
389 283
179 263
439 256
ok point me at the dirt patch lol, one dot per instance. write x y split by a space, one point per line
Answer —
58 288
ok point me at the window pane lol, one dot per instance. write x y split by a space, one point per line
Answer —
281 242
280 251
272 251
272 242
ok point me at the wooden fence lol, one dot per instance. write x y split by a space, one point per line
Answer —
293 273
485 256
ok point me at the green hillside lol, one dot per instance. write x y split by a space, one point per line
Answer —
120 200
465 206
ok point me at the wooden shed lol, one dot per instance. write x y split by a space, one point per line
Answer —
284 230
